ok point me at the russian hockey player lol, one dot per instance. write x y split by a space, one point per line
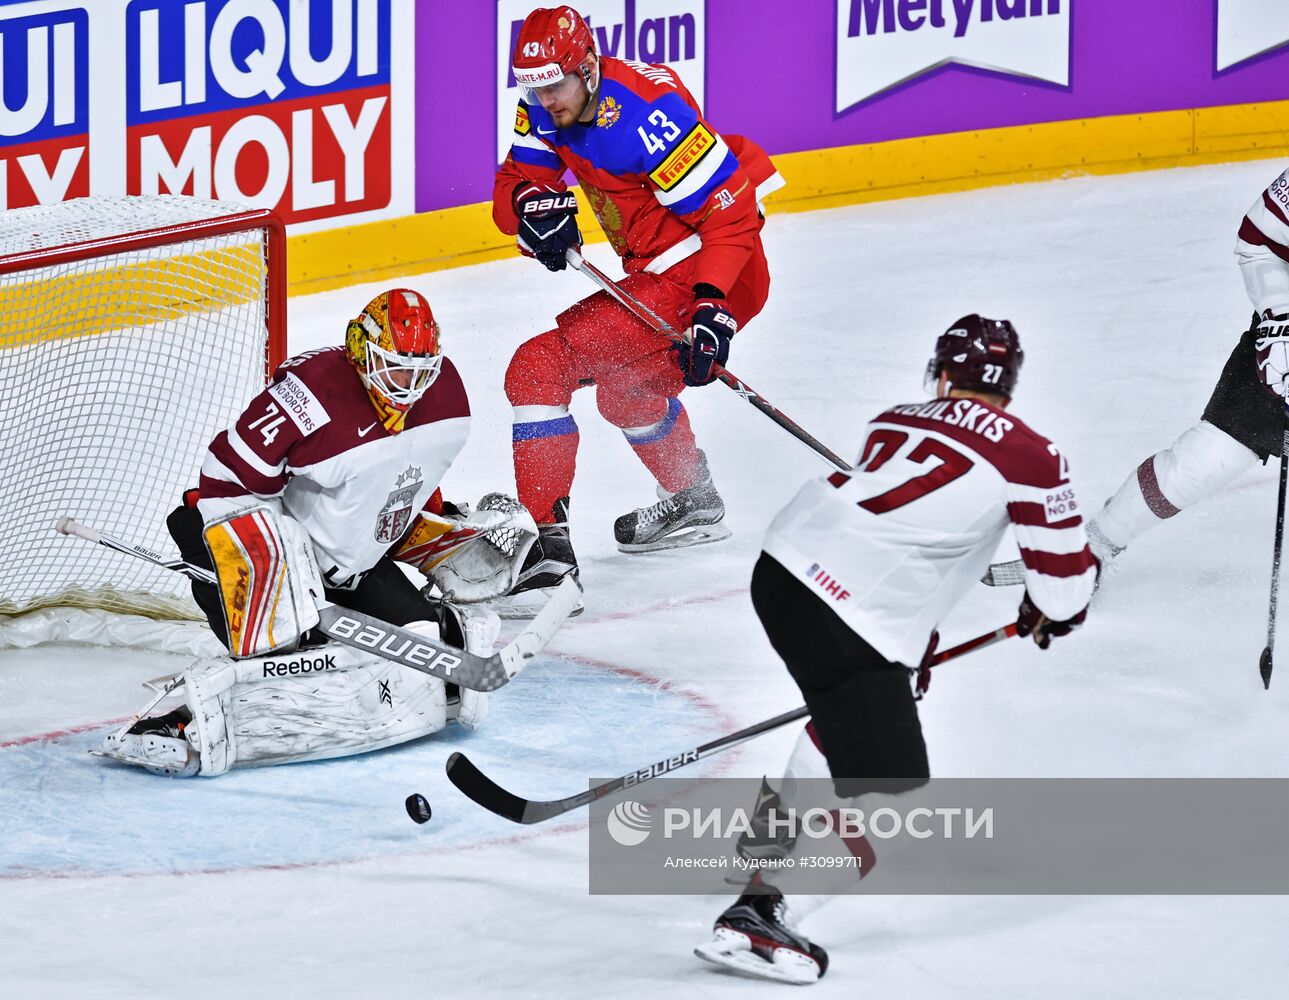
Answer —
679 204
858 570
1244 421
329 475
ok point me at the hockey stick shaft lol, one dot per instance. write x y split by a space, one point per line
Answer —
392 642
1266 663
477 786
652 319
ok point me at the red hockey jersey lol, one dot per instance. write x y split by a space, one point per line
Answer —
663 183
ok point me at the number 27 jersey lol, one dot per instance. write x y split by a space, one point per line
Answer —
893 546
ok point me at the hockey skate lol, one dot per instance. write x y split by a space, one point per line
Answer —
550 559
158 744
756 937
690 517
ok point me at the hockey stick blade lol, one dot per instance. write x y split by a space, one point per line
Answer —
1005 574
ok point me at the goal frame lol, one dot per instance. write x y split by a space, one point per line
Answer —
159 236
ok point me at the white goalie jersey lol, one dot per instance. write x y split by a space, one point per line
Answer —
312 445
894 545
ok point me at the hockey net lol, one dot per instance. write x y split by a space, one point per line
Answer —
132 331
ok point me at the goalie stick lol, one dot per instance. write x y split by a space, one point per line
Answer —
652 319
363 631
482 790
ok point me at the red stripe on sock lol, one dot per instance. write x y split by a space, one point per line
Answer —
1159 504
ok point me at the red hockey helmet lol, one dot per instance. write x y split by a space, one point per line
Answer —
551 45
394 344
979 354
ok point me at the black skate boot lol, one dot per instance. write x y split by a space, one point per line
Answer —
549 560
690 517
756 937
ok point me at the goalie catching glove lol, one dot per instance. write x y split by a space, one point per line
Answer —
475 555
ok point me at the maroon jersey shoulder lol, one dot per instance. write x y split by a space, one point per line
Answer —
445 399
1020 454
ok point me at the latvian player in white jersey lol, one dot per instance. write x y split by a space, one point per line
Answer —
859 570
336 464
1244 422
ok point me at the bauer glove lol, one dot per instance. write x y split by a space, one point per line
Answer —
547 223
711 327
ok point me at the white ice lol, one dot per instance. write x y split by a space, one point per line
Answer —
309 881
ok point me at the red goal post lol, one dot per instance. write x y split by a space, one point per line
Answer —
132 331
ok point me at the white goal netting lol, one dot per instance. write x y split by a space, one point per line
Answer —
131 332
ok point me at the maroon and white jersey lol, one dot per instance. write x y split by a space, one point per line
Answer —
1263 249
893 546
312 446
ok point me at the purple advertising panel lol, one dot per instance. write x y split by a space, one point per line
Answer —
825 73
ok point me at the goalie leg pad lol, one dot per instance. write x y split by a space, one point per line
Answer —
268 580
330 702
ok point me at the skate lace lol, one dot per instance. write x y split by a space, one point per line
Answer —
660 511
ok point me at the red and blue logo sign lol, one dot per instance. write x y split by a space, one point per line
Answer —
44 108
269 102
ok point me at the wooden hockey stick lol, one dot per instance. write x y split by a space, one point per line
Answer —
481 789
652 319
392 642
1266 662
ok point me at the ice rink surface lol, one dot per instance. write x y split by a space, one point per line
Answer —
310 881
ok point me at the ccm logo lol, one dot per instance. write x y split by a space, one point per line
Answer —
416 654
304 665
662 767
553 204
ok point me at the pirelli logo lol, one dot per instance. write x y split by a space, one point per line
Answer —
683 158
522 127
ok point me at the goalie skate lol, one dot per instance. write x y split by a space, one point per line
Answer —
158 744
690 517
755 937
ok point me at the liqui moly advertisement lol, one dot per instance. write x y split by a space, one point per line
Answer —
648 31
884 43
294 105
44 113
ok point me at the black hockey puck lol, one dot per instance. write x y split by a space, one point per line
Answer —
418 807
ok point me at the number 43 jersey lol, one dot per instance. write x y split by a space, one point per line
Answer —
893 546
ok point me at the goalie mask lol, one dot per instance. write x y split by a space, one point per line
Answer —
980 354
395 347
